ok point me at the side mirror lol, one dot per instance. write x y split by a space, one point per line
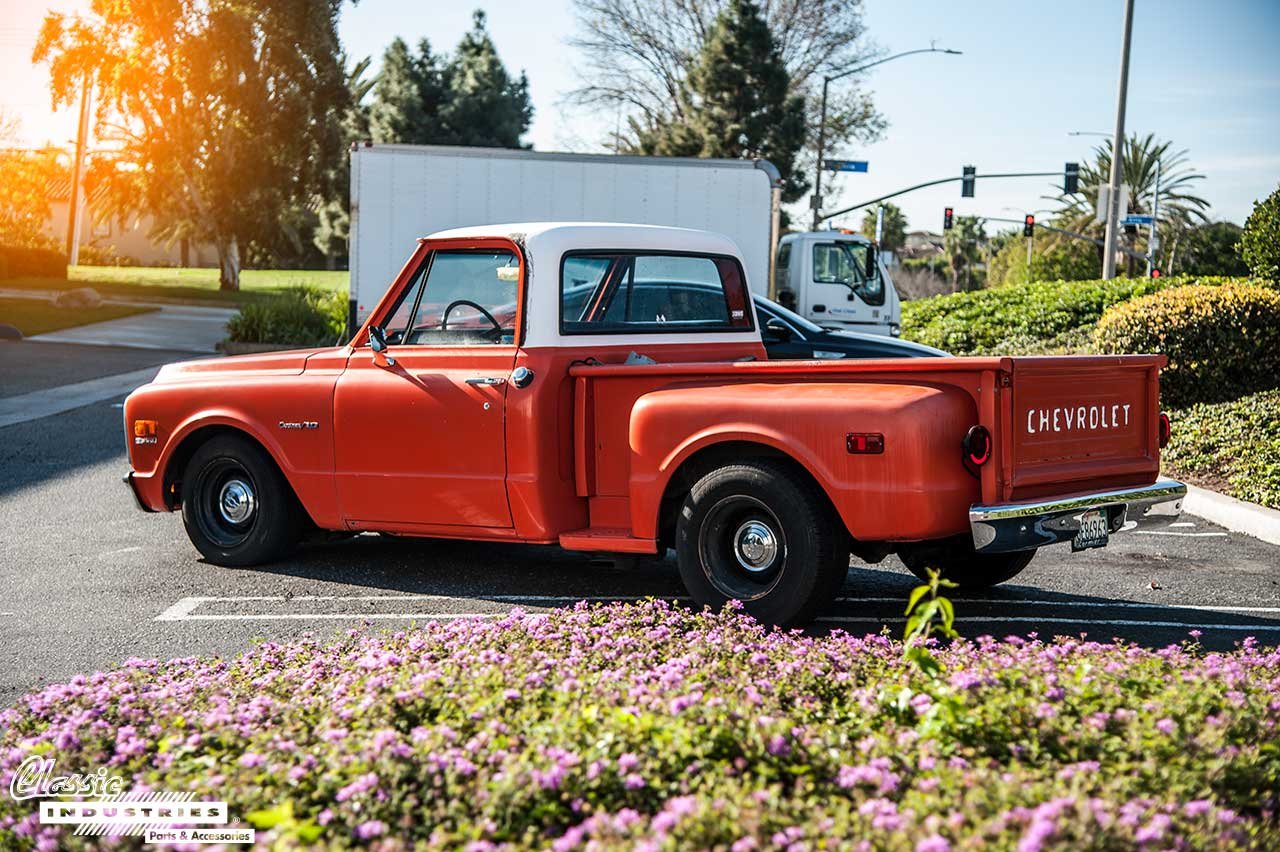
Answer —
776 329
378 343
869 273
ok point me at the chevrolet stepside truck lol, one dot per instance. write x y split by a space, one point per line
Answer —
562 384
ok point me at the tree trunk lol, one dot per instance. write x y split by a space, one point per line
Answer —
228 263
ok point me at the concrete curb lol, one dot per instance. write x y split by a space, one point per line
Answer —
1236 515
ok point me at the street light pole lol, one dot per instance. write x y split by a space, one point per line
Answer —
816 202
1153 241
1117 151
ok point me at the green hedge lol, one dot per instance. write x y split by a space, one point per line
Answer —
302 316
1222 342
22 261
1041 318
1233 447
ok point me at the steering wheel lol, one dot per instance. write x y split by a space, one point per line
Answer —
444 317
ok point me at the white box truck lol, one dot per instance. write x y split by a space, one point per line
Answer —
402 192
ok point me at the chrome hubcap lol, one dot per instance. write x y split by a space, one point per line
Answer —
755 546
236 502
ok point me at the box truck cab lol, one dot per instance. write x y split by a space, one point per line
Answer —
838 280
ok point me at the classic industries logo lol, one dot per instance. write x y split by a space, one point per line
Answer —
1065 419
98 804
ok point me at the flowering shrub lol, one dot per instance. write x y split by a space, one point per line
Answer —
647 726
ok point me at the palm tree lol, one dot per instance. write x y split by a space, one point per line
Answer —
1180 210
963 247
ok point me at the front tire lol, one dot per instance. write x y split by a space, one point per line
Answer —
956 561
236 505
758 533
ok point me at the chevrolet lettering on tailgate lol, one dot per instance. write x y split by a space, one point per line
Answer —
604 388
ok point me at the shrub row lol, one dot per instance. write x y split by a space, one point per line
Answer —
1232 447
23 261
1222 342
1039 318
647 726
301 316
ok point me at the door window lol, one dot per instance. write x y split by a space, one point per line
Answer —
459 297
611 292
845 263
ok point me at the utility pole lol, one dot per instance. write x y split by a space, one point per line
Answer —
77 179
816 200
1117 150
1153 241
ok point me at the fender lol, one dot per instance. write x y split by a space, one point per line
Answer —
905 493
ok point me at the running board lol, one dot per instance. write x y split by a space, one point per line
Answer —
607 540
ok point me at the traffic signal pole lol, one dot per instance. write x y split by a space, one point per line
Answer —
819 218
1117 151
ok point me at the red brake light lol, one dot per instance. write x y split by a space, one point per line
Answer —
977 448
864 443
1166 430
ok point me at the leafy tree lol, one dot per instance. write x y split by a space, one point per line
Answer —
894 233
217 110
1180 210
963 247
1260 243
468 98
333 219
1212 249
639 54
24 195
736 101
1066 260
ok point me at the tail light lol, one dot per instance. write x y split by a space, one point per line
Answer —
1166 430
977 448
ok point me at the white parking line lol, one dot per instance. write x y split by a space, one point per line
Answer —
1183 534
1091 604
1030 619
1183 524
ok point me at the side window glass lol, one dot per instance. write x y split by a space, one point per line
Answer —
465 297
781 280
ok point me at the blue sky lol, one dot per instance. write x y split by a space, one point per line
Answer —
1206 75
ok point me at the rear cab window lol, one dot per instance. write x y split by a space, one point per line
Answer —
609 292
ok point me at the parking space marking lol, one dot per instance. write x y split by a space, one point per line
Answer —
1093 604
1182 524
1032 619
1183 534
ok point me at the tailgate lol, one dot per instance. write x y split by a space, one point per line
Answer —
1077 424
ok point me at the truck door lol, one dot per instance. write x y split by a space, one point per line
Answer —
837 289
419 428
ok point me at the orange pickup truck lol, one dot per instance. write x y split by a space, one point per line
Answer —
604 388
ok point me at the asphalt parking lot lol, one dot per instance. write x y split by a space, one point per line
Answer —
88 581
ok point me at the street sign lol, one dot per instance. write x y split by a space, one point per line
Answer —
1135 219
845 165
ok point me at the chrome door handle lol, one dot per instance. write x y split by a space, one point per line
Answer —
487 380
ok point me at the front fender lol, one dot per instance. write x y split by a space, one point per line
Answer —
917 489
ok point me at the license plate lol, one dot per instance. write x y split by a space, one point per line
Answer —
1095 530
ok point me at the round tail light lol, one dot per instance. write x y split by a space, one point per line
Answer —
977 448
1166 430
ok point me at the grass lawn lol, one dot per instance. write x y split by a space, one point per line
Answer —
37 316
168 283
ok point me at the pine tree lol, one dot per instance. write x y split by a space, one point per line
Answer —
735 102
484 106
408 96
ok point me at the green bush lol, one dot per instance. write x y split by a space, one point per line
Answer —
23 261
301 316
650 727
1233 447
1260 242
1222 342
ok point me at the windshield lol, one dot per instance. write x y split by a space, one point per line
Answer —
845 263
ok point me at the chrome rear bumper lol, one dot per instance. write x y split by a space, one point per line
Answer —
1023 526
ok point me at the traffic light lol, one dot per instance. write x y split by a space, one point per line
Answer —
1028 225
1155 272
966 182
1071 179
946 218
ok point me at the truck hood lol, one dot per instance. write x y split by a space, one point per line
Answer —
290 363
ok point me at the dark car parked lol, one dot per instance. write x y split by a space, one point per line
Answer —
788 335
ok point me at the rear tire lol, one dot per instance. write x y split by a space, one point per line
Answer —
957 562
236 505
759 533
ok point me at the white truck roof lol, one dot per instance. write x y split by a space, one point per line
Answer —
545 243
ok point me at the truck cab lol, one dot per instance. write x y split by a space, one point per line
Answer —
838 280
605 388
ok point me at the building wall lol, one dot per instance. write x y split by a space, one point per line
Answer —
129 238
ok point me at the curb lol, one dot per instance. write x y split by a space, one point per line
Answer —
1236 515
